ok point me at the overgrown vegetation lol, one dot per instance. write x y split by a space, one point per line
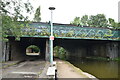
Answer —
15 17
60 52
117 59
34 48
103 58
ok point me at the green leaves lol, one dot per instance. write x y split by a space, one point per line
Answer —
37 14
76 21
34 48
11 20
84 20
60 52
114 24
98 20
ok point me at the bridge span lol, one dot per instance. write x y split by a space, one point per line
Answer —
79 41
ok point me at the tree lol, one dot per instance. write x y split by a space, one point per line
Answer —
118 25
60 52
34 48
113 24
76 21
12 13
98 20
15 8
37 14
84 20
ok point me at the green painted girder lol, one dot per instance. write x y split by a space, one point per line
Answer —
71 32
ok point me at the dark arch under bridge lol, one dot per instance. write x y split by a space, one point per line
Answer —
78 41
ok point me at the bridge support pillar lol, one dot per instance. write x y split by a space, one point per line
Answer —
118 50
42 51
17 51
47 54
112 50
5 51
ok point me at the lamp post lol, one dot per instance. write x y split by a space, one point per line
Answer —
51 36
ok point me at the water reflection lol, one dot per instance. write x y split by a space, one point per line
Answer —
98 68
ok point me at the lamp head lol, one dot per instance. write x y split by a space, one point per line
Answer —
51 8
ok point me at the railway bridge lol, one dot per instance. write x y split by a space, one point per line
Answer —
79 41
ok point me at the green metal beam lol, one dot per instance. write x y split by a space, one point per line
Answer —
71 32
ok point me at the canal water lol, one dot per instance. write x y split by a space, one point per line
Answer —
99 68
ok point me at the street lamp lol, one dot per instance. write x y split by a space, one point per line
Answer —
51 36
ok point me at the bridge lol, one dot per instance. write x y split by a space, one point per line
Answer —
71 32
79 41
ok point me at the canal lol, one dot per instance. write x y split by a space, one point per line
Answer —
100 68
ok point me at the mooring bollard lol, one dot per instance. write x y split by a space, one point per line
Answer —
51 72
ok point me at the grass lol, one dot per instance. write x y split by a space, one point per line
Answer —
97 58
103 58
117 59
11 64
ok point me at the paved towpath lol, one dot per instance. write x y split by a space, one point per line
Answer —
27 69
67 70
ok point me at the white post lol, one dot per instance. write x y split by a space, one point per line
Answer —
51 40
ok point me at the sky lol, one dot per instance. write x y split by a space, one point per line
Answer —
67 10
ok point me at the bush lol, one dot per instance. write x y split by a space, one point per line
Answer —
34 48
60 52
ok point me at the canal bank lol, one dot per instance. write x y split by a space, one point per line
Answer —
67 70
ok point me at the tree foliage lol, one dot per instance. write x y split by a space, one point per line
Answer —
60 52
12 13
34 48
37 14
114 24
76 21
98 20
84 20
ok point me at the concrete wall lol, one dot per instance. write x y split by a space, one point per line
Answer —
17 51
5 51
112 50
76 48
86 48
118 49
108 50
18 48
